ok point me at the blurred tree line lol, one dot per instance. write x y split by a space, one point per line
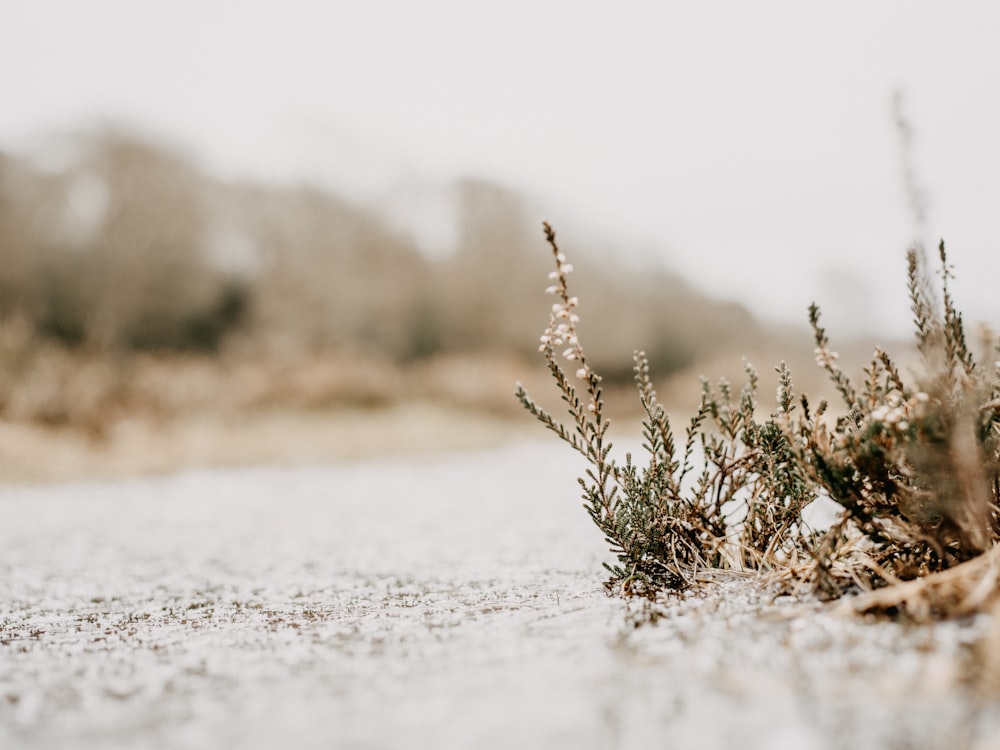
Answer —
128 246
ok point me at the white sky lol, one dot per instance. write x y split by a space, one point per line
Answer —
749 144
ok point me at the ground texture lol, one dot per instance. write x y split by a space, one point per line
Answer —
446 602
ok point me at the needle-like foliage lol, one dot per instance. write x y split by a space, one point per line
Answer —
914 466
728 498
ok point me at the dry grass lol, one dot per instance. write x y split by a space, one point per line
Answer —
31 453
73 414
968 588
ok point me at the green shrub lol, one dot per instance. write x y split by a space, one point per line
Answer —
913 467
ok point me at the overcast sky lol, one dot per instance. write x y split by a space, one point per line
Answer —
748 144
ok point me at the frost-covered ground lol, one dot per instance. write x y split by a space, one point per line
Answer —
434 603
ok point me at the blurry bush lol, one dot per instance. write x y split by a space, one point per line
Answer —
123 246
109 251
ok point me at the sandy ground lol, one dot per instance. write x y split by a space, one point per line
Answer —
423 601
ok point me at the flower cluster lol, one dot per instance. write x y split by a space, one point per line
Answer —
561 331
825 357
897 413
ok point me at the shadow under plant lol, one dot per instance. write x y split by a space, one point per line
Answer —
913 466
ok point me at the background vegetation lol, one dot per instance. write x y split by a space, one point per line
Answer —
120 253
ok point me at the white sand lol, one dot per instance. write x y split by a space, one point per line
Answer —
452 602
